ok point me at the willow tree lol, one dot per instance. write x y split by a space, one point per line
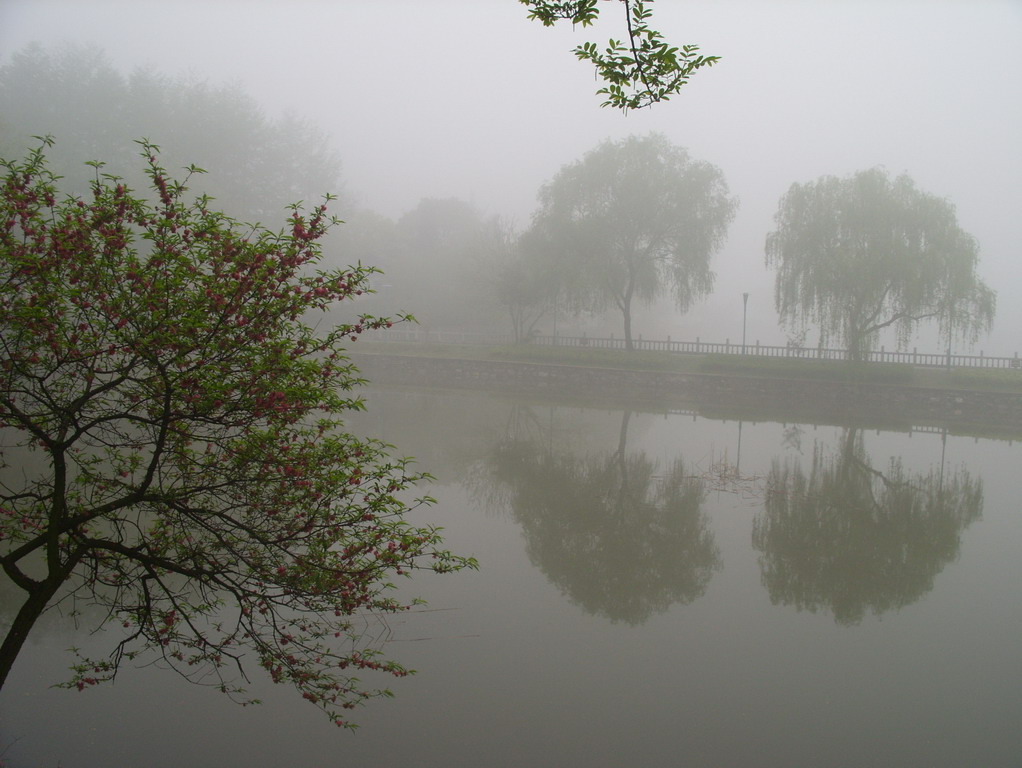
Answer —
636 218
861 254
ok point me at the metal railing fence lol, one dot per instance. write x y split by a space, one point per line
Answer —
699 347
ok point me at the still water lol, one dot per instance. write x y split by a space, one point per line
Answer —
655 590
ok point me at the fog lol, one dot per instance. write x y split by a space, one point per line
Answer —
471 100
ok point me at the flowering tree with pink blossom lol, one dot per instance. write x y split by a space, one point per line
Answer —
171 440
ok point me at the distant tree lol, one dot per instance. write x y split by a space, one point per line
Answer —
863 253
636 218
637 72
525 285
847 538
437 258
171 442
257 165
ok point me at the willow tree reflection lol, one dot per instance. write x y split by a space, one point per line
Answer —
848 539
620 539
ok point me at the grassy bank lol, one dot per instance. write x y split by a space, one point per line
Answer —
898 374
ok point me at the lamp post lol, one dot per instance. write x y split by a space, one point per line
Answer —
745 313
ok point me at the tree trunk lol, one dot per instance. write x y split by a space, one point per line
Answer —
626 310
856 353
30 611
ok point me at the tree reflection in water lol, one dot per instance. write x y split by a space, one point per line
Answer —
618 538
848 539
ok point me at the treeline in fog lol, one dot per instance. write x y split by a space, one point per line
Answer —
628 228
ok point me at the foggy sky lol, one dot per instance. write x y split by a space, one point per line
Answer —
470 99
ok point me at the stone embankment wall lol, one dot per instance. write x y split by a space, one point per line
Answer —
826 401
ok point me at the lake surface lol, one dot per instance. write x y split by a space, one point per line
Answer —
654 589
